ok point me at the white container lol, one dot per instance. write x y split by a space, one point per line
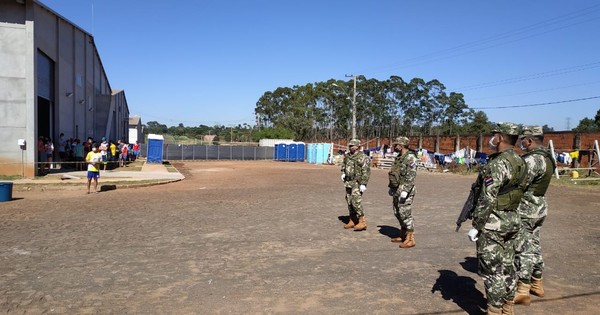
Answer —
273 142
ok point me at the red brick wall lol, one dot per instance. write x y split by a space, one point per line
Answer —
563 141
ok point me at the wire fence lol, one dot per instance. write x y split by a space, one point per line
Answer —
171 152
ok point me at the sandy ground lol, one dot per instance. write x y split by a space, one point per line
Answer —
266 237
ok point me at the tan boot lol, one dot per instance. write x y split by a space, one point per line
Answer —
362 224
400 238
522 296
536 287
492 310
352 220
507 308
409 241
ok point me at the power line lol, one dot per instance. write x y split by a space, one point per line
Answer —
540 104
531 76
535 91
456 51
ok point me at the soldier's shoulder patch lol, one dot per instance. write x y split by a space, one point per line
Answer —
488 180
412 165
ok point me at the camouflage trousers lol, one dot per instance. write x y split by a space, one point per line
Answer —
528 257
354 201
495 259
403 211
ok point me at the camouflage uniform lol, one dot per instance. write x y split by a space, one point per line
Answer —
402 178
357 169
499 190
533 210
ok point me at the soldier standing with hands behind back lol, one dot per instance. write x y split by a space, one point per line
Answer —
496 221
356 171
533 210
402 189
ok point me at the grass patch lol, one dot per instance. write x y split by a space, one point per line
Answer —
170 168
11 177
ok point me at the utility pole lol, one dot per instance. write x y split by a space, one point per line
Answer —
353 105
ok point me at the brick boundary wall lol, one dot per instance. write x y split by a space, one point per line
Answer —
563 141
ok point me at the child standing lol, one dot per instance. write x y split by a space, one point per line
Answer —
93 159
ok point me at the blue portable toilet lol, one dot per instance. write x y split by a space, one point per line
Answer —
320 159
311 152
301 152
282 152
155 148
293 152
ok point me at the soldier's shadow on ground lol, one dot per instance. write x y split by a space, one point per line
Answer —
389 231
344 218
460 290
470 264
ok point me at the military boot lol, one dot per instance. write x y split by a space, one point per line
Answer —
507 308
536 287
409 241
400 238
522 296
352 220
492 310
362 224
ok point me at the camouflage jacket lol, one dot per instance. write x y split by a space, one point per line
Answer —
500 186
403 172
357 168
540 168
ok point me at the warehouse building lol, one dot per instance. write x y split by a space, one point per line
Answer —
52 82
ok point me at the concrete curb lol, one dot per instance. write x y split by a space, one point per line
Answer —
81 184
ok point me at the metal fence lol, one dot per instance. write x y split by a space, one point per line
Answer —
173 152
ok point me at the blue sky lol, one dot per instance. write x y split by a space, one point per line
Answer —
208 62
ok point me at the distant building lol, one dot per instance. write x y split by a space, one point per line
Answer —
136 130
52 81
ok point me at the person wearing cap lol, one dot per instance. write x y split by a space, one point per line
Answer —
402 188
93 158
533 210
496 221
356 171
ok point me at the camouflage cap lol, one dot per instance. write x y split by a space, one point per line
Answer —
507 128
354 142
532 131
401 140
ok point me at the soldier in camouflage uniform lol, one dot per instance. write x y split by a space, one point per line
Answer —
356 171
402 189
533 210
496 221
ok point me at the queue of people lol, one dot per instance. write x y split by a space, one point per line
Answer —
509 209
70 153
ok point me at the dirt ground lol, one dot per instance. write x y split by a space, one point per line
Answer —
266 237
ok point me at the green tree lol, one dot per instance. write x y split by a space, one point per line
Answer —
155 127
589 124
479 123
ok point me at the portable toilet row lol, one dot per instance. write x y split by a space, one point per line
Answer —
290 152
317 153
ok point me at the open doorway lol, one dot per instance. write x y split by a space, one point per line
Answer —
45 75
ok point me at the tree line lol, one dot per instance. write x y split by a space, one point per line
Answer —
323 110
